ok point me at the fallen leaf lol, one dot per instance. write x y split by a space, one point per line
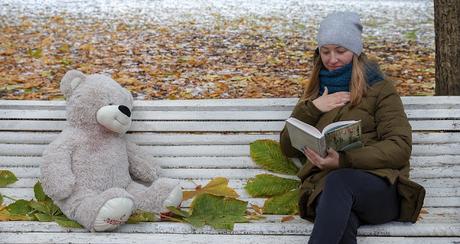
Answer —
257 209
142 216
6 178
287 218
268 155
217 186
266 185
423 212
217 211
286 203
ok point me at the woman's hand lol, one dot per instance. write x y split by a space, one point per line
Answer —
328 102
331 161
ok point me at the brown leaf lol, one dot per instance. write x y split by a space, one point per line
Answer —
423 212
287 218
257 209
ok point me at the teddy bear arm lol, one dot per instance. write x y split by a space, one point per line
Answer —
141 165
56 174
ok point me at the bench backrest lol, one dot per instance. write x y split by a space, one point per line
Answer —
197 140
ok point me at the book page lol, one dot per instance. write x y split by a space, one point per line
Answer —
347 136
338 124
304 136
305 127
301 138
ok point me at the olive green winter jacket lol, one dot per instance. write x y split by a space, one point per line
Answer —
387 140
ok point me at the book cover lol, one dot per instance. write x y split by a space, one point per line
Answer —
341 136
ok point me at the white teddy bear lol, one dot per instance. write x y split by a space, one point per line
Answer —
88 169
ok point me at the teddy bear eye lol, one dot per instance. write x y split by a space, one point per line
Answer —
110 104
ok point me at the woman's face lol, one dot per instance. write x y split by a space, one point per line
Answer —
334 56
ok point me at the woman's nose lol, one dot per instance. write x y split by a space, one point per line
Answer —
333 58
125 110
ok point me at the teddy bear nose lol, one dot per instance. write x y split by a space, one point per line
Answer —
124 110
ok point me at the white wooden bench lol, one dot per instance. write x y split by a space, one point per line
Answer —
196 140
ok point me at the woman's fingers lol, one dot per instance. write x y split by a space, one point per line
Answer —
331 151
313 157
343 97
308 154
339 99
327 101
326 91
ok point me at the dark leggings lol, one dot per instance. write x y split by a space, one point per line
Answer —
350 198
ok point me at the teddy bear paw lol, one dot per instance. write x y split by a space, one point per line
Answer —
174 198
113 213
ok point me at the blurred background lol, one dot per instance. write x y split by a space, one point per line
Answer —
162 49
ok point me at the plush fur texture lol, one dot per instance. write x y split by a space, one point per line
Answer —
91 162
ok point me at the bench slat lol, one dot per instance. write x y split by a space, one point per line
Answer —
425 102
198 238
159 138
164 126
203 173
217 150
430 201
272 227
212 115
206 126
171 105
431 192
169 115
239 183
225 162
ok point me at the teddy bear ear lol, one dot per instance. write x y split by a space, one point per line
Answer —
71 80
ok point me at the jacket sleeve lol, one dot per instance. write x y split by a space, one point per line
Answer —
304 111
394 133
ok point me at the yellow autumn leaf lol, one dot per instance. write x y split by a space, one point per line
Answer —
6 216
217 186
26 23
86 47
7 52
65 48
57 19
46 42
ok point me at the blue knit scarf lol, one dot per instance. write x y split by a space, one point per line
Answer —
339 79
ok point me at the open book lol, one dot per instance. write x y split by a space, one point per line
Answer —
341 136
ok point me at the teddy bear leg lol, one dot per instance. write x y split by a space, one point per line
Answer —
105 211
113 213
162 193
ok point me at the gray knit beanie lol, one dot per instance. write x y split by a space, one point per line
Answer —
342 29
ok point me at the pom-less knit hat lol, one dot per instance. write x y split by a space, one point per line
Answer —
342 29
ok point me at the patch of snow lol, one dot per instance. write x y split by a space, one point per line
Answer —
390 19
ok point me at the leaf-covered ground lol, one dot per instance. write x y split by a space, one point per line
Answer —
204 49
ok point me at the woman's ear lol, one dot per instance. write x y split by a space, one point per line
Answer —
71 80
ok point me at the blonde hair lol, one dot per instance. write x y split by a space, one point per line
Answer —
358 83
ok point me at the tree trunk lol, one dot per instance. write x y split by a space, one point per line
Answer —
447 40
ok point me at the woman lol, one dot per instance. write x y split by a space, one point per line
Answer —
367 185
